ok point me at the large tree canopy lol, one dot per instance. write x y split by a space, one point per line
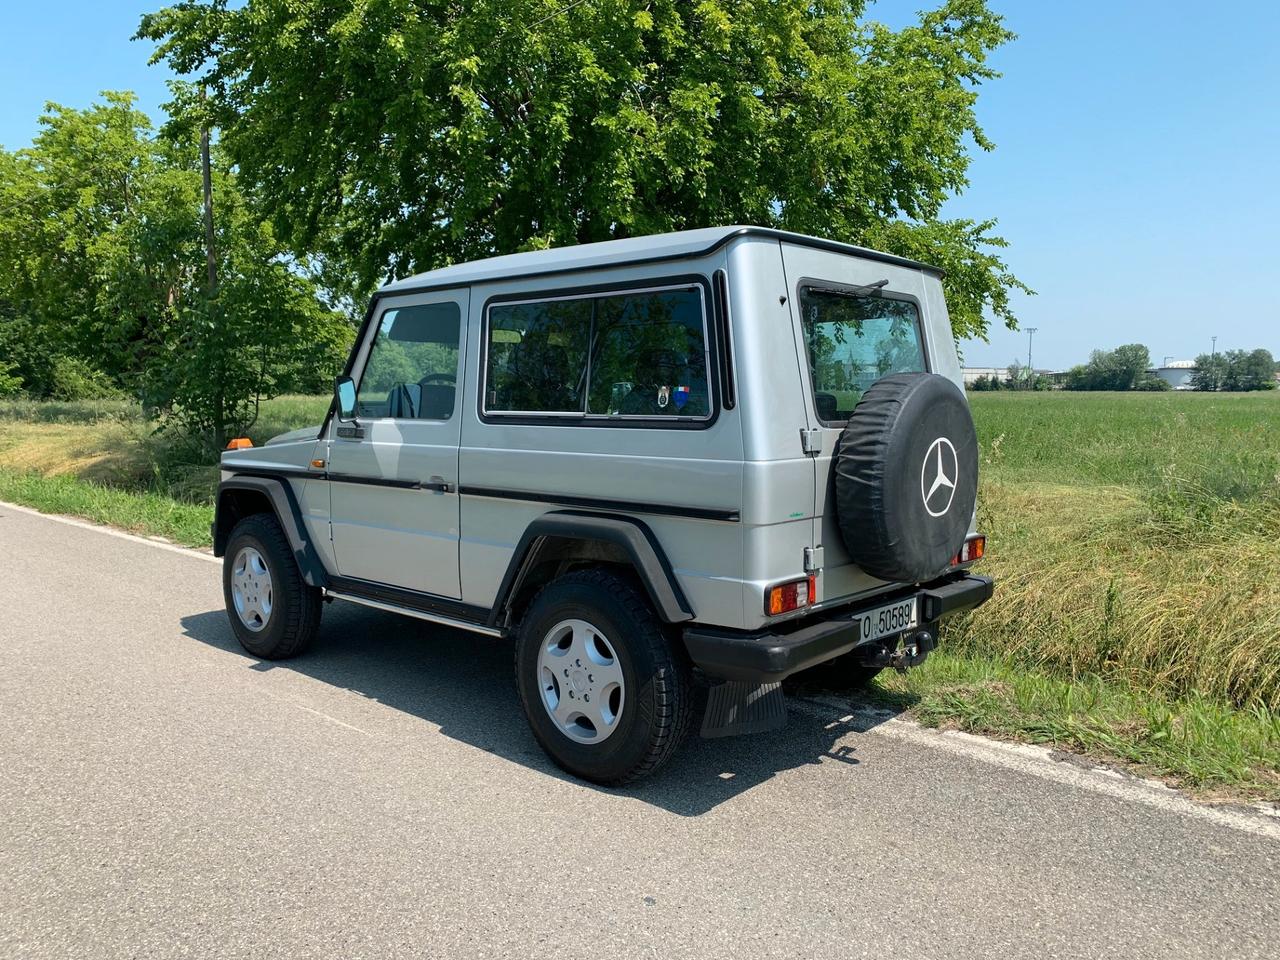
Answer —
390 136
103 283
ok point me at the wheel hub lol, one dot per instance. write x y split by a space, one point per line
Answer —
251 592
583 689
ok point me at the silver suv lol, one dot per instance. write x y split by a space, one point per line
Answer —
673 470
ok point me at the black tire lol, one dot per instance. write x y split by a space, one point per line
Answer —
295 609
658 705
898 523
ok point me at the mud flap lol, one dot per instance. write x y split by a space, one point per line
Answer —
740 706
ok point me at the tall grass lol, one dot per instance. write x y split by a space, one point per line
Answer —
1134 538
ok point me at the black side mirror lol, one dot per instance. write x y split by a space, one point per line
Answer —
344 390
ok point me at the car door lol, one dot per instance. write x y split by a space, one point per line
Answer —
856 321
394 471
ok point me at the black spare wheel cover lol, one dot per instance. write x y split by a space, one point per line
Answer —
906 475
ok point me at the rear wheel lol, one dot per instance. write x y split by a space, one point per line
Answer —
273 612
605 693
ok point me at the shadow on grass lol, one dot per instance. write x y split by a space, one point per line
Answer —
462 683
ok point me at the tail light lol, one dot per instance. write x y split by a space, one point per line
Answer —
975 548
792 595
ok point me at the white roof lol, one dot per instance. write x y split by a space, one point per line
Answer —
1178 365
685 244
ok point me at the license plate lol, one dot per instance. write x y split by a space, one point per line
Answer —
888 620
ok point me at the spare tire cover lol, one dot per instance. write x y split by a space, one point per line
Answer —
906 477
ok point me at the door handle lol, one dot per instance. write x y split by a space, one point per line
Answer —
436 484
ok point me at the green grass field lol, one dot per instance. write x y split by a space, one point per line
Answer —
1135 539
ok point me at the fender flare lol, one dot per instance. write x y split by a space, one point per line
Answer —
284 504
632 536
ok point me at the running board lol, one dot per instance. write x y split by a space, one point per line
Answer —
417 614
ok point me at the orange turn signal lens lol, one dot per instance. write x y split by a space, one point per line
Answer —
240 443
975 548
793 595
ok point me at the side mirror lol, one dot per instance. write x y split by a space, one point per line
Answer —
344 389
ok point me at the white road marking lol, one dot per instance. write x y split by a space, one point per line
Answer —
1260 819
113 532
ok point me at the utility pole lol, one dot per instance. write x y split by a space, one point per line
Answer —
1031 371
1213 361
211 261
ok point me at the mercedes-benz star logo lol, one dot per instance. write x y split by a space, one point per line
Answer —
938 474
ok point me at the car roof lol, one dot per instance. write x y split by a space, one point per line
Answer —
681 245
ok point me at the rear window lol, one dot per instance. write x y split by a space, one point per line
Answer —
617 355
854 340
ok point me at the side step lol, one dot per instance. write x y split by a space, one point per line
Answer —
740 706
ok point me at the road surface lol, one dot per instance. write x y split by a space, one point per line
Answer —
164 795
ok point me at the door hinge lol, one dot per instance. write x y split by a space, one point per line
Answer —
812 559
810 440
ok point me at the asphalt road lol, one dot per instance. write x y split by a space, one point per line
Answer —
162 795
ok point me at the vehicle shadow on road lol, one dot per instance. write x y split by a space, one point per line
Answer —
462 683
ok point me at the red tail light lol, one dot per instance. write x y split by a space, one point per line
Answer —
793 595
975 548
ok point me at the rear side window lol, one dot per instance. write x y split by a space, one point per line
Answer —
538 356
639 354
852 342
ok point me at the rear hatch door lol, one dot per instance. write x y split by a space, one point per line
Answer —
856 320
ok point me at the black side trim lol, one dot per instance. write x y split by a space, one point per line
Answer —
372 481
412 599
603 503
285 504
630 534
783 236
724 337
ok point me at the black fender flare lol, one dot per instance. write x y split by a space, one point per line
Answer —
285 506
632 536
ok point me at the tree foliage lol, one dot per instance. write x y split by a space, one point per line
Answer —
389 136
102 283
1124 368
1235 370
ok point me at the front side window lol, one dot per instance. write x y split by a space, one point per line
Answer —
641 354
412 370
852 342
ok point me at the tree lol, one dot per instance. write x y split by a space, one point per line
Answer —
390 137
102 285
1124 368
1235 370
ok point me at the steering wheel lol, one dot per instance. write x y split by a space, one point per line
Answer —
438 378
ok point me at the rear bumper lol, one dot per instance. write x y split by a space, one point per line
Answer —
767 656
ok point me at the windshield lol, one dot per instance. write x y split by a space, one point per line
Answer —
852 341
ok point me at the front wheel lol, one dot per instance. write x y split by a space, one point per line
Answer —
605 693
273 612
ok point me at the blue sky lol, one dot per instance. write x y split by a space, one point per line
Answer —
1136 175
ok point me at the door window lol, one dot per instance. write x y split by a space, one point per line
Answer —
852 342
412 370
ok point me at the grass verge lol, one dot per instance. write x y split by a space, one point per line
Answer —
1213 750
149 514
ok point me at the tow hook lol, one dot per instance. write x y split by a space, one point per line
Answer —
915 648
913 651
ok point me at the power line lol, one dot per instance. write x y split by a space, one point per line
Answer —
551 16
